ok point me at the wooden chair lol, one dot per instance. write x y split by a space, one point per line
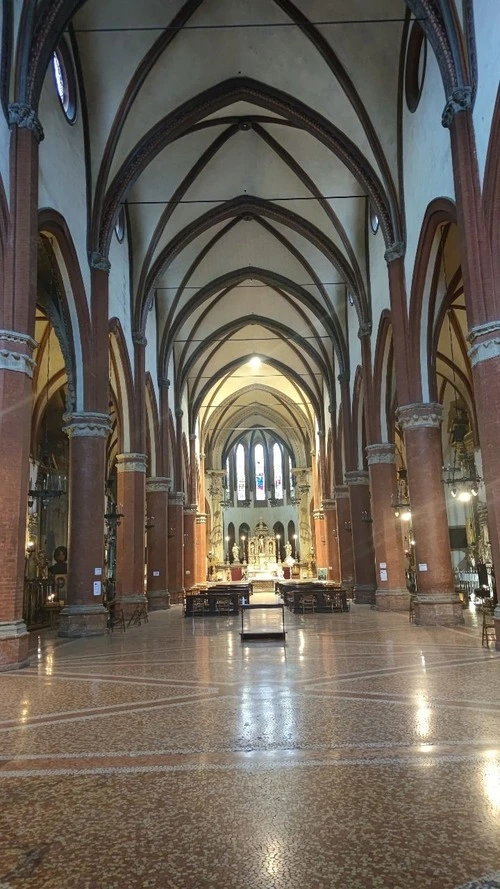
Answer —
139 614
308 603
116 618
488 627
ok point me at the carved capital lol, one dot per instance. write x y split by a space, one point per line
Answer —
131 462
395 251
318 515
201 518
328 505
163 383
176 498
417 416
22 116
381 453
485 342
192 436
460 100
344 377
356 477
365 329
341 492
13 358
179 413
86 423
99 262
139 339
157 484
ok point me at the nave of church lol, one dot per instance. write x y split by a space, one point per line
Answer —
250 347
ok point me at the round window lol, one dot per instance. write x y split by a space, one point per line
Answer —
64 80
416 58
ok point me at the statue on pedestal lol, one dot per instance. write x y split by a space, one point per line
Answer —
236 553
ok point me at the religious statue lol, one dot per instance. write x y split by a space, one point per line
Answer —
288 551
236 553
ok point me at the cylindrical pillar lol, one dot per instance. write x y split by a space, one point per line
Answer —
157 524
332 541
176 546
131 494
364 560
320 538
84 613
200 548
392 593
436 602
189 546
344 531
16 372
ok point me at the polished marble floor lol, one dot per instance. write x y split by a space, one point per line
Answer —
364 754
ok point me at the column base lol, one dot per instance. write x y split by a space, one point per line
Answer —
14 644
158 600
392 600
128 604
497 628
364 594
437 611
176 597
83 620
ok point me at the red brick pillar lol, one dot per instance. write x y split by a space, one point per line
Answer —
201 548
392 593
16 372
332 541
484 356
189 546
84 613
320 538
344 531
364 558
176 546
130 533
17 325
436 602
157 530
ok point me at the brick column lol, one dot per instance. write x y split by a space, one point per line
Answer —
436 602
484 356
84 613
16 372
131 498
200 548
364 558
189 546
157 525
392 593
344 530
176 546
332 541
17 324
320 538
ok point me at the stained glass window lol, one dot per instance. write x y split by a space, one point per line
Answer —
240 472
278 472
260 477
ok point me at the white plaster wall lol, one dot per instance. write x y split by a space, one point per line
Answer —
151 352
427 158
487 25
62 170
4 155
119 291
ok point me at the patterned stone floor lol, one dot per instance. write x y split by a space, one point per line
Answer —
363 754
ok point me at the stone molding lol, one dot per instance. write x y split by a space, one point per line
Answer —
11 629
192 436
17 362
139 339
99 262
356 477
395 251
163 383
328 505
344 376
381 453
157 484
201 518
176 498
318 514
24 117
179 413
77 425
365 329
341 492
23 339
191 509
420 415
487 348
131 462
461 99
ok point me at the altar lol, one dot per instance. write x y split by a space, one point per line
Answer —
264 565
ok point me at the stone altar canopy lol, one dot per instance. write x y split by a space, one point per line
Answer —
262 549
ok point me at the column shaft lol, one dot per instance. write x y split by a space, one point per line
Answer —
320 538
130 538
392 593
364 559
189 547
332 541
346 554
176 546
201 548
436 602
157 525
